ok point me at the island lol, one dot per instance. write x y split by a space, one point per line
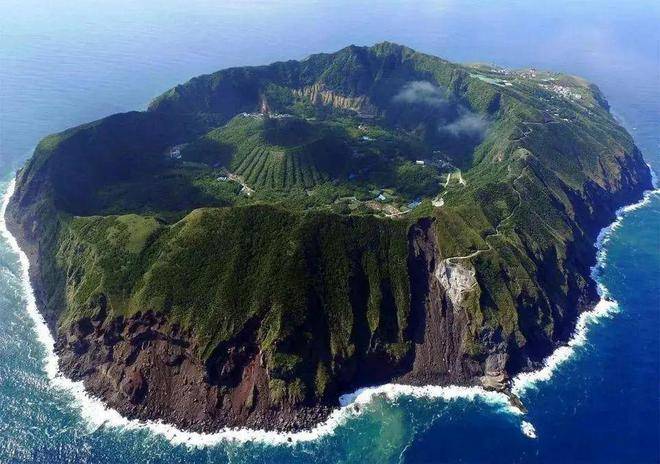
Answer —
263 239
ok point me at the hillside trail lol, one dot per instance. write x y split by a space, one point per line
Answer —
526 133
497 232
236 178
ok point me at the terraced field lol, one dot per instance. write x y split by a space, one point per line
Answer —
278 154
277 168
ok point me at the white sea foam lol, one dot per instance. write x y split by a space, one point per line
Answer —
528 429
605 308
97 415
654 177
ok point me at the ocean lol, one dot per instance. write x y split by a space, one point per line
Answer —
597 400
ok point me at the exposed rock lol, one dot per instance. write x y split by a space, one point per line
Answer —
457 277
152 370
496 363
319 95
498 382
438 320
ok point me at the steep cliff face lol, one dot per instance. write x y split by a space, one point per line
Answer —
361 255
145 367
319 95
137 364
441 329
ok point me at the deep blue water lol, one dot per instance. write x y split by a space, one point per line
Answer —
63 63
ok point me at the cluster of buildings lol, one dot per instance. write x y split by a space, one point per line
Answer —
565 92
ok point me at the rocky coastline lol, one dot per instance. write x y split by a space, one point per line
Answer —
148 369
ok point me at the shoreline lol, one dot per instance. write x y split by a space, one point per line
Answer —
96 414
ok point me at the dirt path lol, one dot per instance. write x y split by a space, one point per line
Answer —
497 228
460 179
528 130
246 188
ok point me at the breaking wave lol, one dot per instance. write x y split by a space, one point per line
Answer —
605 308
97 415
528 429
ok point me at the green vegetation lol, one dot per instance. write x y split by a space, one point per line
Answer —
217 268
296 214
276 154
415 181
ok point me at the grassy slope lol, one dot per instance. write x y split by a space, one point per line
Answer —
217 269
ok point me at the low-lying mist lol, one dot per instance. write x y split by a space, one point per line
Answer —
449 126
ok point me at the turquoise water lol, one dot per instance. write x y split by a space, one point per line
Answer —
64 63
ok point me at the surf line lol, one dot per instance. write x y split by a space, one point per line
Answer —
605 308
97 415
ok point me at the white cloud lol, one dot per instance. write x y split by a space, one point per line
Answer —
470 124
421 92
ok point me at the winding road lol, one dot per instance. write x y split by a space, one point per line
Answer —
497 228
